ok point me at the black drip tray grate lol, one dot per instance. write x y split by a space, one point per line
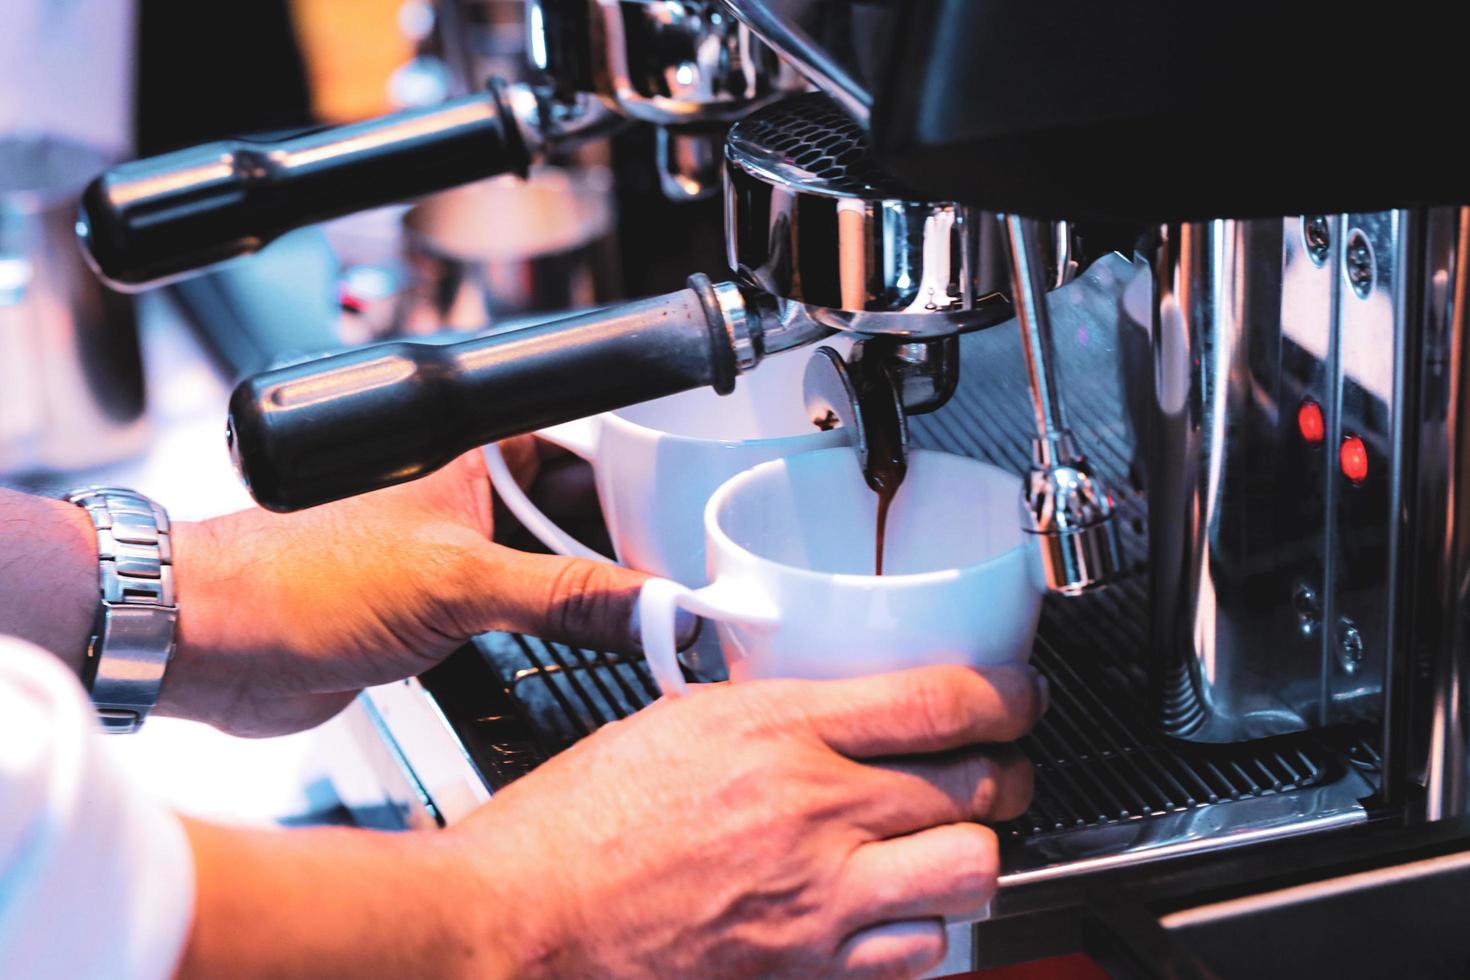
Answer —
1098 760
563 693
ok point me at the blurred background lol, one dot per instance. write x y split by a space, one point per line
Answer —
99 387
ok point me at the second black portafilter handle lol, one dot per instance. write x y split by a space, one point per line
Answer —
371 418
149 221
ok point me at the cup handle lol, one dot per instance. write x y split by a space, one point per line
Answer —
658 604
579 437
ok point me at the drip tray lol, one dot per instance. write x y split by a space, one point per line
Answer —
1108 791
1093 767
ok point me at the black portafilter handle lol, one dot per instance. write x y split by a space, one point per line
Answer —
370 418
150 221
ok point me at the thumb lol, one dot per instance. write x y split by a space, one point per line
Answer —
572 600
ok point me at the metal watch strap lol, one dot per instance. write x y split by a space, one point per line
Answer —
134 637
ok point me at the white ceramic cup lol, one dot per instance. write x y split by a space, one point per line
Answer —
657 463
792 591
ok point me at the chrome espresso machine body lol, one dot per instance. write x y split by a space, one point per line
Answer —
1234 382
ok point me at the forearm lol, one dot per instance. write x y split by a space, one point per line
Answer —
332 902
48 574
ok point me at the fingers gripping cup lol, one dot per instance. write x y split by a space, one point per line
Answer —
790 547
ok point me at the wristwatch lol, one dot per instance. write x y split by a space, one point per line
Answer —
133 639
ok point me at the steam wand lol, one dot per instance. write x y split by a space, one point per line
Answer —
1066 507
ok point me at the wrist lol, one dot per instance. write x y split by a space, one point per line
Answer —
499 900
53 565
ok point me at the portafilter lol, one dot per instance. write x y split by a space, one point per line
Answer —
687 66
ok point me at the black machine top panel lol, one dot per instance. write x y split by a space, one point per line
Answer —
1151 110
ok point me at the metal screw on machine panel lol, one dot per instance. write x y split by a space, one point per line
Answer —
1359 261
1349 646
1308 609
1318 237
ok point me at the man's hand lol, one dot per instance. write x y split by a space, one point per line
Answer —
283 618
767 829
775 828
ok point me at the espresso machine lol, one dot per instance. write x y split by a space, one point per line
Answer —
1228 364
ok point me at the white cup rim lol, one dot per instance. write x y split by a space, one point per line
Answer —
784 444
909 580
827 439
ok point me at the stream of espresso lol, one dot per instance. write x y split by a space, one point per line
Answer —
886 463
885 498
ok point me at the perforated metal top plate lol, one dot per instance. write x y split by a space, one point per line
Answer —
807 142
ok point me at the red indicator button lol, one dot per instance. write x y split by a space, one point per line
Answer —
349 301
1310 423
1353 458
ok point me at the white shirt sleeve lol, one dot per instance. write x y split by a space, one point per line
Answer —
96 880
